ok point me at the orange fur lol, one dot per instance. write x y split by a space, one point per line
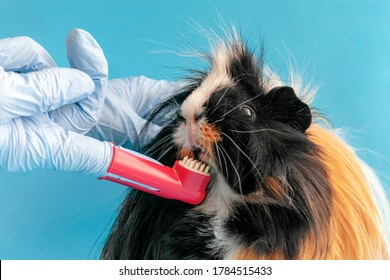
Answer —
209 136
278 192
275 187
250 254
355 230
210 133
185 152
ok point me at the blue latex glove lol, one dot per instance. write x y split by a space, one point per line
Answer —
32 139
128 101
85 54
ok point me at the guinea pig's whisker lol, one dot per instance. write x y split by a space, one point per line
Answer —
238 106
243 153
220 99
159 144
253 131
224 115
234 168
224 163
174 102
165 152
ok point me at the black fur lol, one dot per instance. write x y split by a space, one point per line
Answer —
267 228
263 137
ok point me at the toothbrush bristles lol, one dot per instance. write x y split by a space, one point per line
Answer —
195 165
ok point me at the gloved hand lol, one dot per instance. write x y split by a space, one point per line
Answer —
127 103
29 86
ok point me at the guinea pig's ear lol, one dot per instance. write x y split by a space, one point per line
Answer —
288 108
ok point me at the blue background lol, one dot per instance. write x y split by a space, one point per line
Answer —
343 46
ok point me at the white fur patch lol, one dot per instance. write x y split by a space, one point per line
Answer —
220 197
218 203
218 78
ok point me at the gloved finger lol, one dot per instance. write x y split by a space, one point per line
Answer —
23 54
33 143
127 104
121 127
144 94
41 91
70 151
85 54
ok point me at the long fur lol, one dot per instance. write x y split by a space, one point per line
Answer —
283 186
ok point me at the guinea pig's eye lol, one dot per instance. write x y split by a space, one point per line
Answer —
248 111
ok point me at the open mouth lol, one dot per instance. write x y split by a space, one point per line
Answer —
199 153
202 155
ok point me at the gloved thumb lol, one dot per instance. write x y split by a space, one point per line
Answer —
85 54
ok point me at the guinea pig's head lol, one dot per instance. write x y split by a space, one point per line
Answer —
235 120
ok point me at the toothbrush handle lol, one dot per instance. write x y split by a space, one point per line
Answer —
148 175
140 172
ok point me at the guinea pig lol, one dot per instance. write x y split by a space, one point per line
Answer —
284 184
